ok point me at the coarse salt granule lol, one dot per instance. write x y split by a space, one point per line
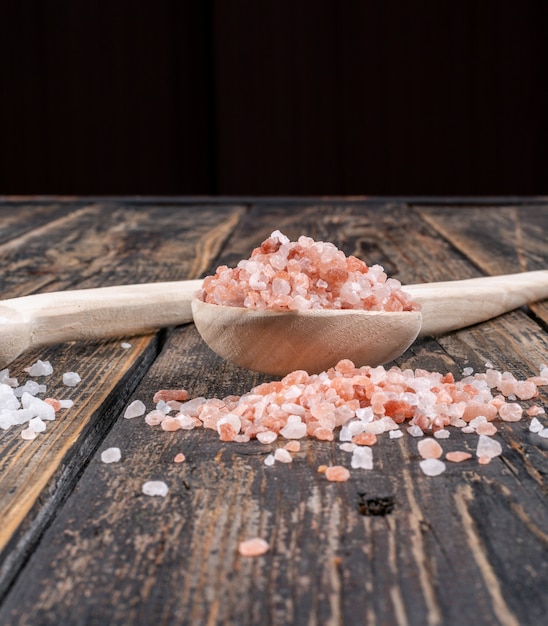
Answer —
457 456
71 379
429 448
125 345
111 455
40 368
543 433
155 488
179 458
488 447
267 436
535 426
337 473
362 458
395 434
282 455
432 467
135 409
28 433
269 460
253 547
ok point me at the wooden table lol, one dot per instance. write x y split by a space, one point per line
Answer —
80 543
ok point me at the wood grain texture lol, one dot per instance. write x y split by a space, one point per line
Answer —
390 546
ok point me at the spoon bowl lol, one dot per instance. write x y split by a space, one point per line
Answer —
279 342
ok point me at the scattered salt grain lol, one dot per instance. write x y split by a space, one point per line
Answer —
292 446
543 433
111 455
155 488
442 434
166 395
348 447
28 434
267 436
253 547
458 456
282 456
510 412
125 345
269 460
395 434
415 431
432 467
468 371
154 418
40 368
488 447
362 457
179 458
71 379
337 473
37 425
135 409
429 448
66 404
535 426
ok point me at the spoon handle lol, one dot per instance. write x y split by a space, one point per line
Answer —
117 311
456 304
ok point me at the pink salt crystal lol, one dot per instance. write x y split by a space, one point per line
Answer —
293 446
324 434
28 434
166 395
135 409
486 428
253 547
510 412
458 456
415 431
364 439
442 434
170 424
484 460
429 448
432 467
267 436
337 473
282 456
179 458
526 389
54 403
535 410
155 417
488 447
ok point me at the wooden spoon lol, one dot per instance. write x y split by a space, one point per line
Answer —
265 341
280 342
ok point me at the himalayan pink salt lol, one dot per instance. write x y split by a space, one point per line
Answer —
54 403
484 459
488 447
458 456
364 439
526 389
486 428
267 436
301 275
155 417
535 410
253 547
432 467
337 473
282 455
510 412
442 434
293 446
170 424
179 458
429 448
180 395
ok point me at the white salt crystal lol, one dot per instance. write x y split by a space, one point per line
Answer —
37 425
8 399
468 371
155 488
282 455
376 427
38 407
32 387
544 371
5 378
135 409
345 434
544 433
270 460
40 368
294 430
6 420
488 365
415 431
71 379
232 420
365 414
395 434
266 437
362 457
480 419
535 426
442 434
125 345
191 407
28 434
66 404
187 422
111 455
468 430
163 406
432 467
488 447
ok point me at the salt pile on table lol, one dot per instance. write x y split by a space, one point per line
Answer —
306 274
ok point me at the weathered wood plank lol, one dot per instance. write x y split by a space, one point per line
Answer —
19 217
463 548
93 246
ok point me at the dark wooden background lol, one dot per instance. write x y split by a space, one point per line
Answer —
273 97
